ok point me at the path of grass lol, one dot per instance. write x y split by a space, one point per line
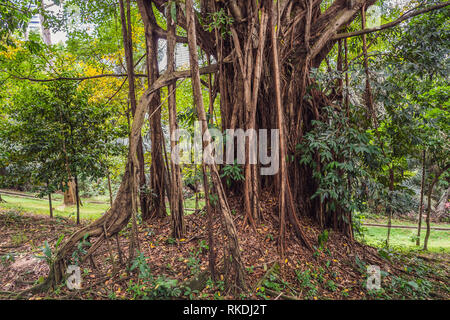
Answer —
439 241
92 207
88 211
402 222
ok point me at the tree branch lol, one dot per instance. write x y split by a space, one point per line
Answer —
74 78
391 24
171 76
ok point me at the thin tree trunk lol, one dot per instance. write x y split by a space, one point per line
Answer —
369 97
347 92
156 205
49 204
109 188
46 36
422 187
441 206
389 209
430 192
209 211
282 150
176 188
125 17
230 229
77 198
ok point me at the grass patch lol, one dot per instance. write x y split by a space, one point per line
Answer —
402 222
89 211
439 241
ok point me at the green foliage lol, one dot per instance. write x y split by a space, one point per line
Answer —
194 260
149 287
345 153
307 283
323 238
232 173
14 16
7 259
54 129
47 253
220 21
80 250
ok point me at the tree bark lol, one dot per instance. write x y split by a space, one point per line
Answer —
176 185
77 198
69 194
156 200
230 229
388 208
109 188
441 209
430 192
49 204
422 187
125 17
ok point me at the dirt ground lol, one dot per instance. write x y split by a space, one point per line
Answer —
335 271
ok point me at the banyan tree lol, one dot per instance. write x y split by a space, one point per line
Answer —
261 53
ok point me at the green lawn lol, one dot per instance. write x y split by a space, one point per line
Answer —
91 209
88 210
439 241
402 222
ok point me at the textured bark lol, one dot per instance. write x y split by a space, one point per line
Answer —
49 204
307 38
156 199
176 183
69 194
422 187
368 93
46 35
430 192
77 198
233 244
128 48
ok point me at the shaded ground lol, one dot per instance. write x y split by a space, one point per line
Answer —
337 270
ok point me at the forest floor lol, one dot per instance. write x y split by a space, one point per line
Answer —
177 268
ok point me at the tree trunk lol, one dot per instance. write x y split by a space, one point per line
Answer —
388 207
156 200
247 96
49 204
230 229
121 211
176 185
46 35
422 187
69 194
109 188
441 209
77 198
430 192
128 48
